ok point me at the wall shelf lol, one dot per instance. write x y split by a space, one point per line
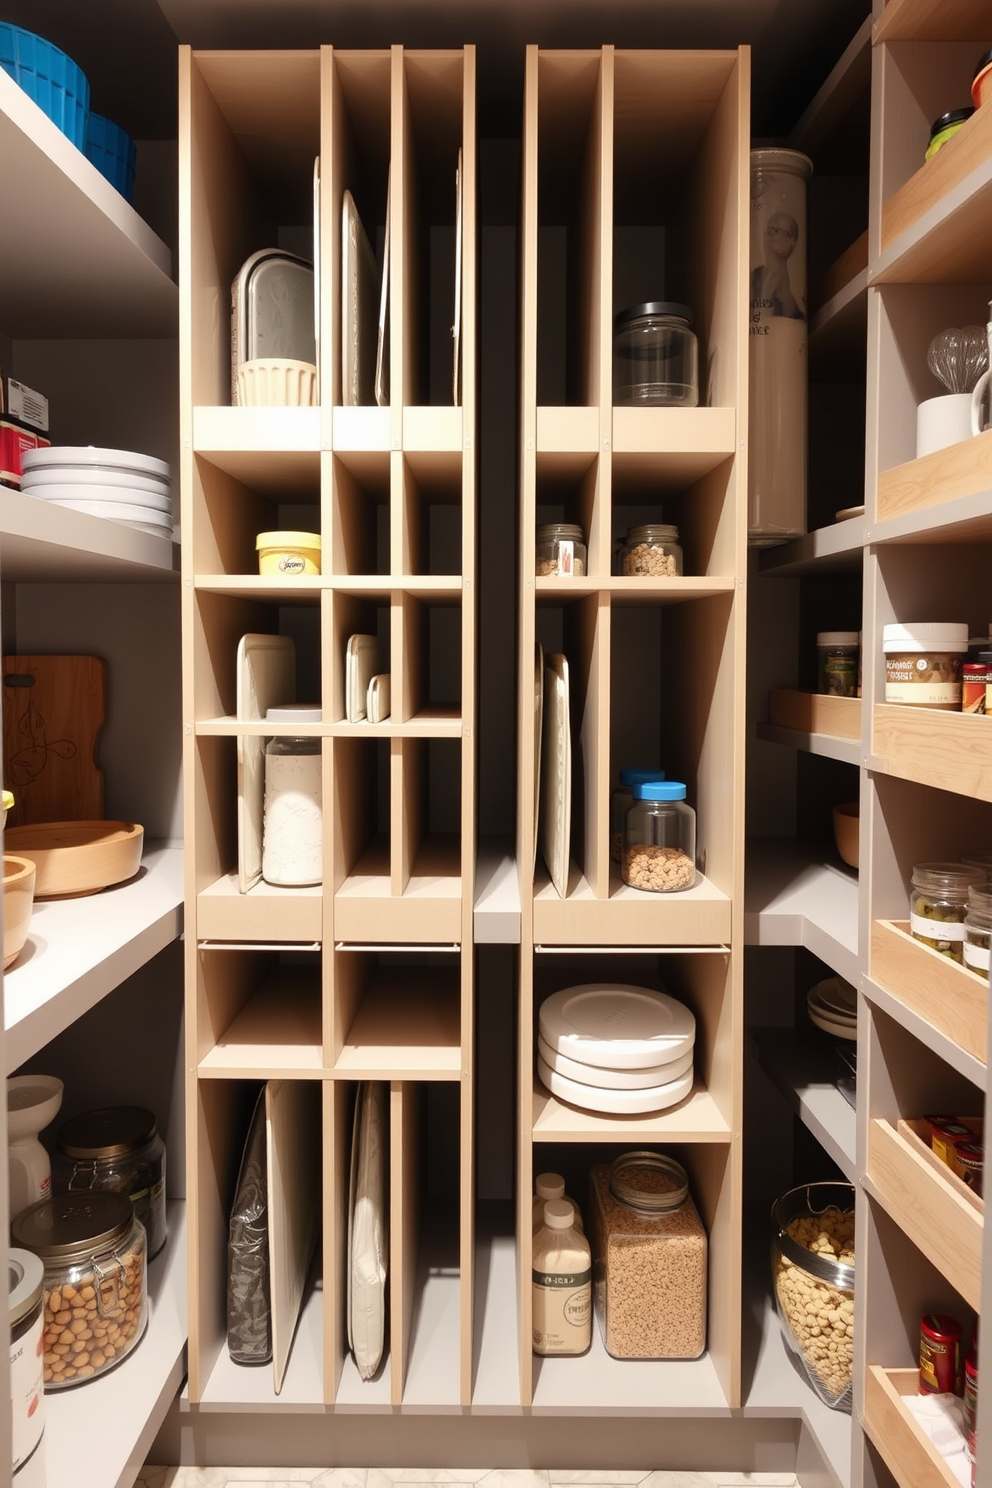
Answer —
949 751
796 895
802 1066
811 721
696 916
934 487
834 549
935 990
696 1119
627 1387
42 543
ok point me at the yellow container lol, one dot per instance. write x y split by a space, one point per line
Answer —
288 554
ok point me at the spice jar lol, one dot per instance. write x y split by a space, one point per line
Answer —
837 662
651 551
93 1249
937 905
978 930
945 1135
975 679
659 839
621 801
655 356
292 821
649 1257
940 1353
117 1150
561 551
923 664
561 1283
25 1288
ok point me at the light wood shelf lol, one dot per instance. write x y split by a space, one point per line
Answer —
949 751
816 713
697 916
909 1453
265 913
834 549
926 485
408 1028
696 1119
275 1036
945 995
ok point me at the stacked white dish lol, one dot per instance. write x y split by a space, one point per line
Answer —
833 1006
611 1047
117 484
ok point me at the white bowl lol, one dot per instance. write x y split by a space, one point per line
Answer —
105 495
277 382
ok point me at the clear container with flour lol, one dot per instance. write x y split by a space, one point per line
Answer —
292 819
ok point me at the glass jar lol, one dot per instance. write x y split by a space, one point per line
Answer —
621 801
651 551
659 839
649 1258
978 930
116 1150
25 1289
813 1273
837 657
292 819
980 860
561 551
655 357
937 905
94 1252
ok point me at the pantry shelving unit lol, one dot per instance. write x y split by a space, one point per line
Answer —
383 950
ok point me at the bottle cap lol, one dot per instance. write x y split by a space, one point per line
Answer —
559 1214
549 1186
658 790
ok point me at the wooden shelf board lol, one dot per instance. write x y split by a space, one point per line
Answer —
276 1036
303 590
696 1119
360 431
911 1456
937 991
697 916
429 910
407 1027
848 751
949 751
75 259
244 1388
626 1387
275 451
496 916
432 723
834 549
933 20
438 587
569 432
670 448
99 1437
802 1065
433 431
928 484
799 893
265 913
42 543
632 591
838 718
78 950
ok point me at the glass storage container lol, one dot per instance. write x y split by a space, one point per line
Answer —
25 1291
937 905
651 551
813 1272
621 801
837 662
292 823
655 356
561 551
981 860
94 1251
659 839
978 929
649 1258
116 1150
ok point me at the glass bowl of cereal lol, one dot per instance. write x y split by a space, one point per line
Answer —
813 1277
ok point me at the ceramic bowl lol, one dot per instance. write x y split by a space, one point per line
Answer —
846 823
18 901
277 382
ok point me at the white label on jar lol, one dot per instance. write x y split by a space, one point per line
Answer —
27 1390
976 956
292 564
937 929
566 558
292 835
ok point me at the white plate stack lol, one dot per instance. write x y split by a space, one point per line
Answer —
607 1046
116 484
833 1006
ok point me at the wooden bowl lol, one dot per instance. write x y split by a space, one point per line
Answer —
78 857
846 824
18 900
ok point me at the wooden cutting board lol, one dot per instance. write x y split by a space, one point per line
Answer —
53 710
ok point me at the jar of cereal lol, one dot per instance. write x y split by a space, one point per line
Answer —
651 551
659 839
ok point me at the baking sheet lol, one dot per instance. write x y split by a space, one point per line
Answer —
359 295
382 335
361 663
556 771
292 1138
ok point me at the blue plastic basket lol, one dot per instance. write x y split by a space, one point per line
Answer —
48 76
112 151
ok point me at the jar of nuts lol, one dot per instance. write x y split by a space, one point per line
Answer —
94 1252
118 1150
651 551
649 1258
561 551
659 839
813 1273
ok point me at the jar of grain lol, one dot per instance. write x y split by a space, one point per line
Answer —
621 801
937 905
813 1273
923 662
562 1283
651 551
978 930
649 1255
659 839
116 1150
561 551
94 1252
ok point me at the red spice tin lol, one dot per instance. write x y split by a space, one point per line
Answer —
940 1353
970 1403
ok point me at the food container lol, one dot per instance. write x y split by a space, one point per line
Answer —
969 1164
837 662
945 128
25 1291
57 85
551 1186
93 1249
923 662
981 82
978 929
561 1283
945 1134
813 1271
659 839
33 1102
847 822
651 551
273 312
649 1258
937 905
975 679
288 554
621 801
655 356
112 151
18 902
940 1354
561 551
292 819
277 382
116 1150
78 857
970 1405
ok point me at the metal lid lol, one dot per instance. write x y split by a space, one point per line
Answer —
652 532
814 1200
70 1227
549 530
648 1182
109 1132
287 540
652 307
956 876
25 1284
304 713
838 638
953 116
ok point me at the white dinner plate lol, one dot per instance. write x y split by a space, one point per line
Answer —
88 454
97 476
616 1026
117 511
108 495
615 1102
613 1079
831 1026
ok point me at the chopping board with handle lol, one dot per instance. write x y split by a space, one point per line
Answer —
54 708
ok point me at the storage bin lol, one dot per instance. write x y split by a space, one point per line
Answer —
113 152
57 85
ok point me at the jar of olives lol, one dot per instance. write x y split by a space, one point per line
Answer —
937 905
978 930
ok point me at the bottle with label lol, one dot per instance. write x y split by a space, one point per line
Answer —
561 1283
552 1186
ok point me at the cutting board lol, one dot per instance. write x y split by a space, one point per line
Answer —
53 710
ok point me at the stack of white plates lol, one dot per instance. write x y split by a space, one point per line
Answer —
606 1046
124 487
833 1006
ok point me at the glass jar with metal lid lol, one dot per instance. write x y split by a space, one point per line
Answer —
25 1289
978 930
937 904
561 551
655 356
116 1150
651 551
649 1252
94 1252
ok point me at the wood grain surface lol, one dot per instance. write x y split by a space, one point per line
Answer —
54 708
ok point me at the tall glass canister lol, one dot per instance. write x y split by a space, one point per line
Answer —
779 365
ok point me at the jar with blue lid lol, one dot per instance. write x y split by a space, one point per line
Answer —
621 801
659 839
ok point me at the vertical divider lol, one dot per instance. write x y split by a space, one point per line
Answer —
401 248
402 546
595 620
334 1128
404 1218
399 843
333 142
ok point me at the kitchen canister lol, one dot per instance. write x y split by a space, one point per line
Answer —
292 820
117 1149
777 335
25 1293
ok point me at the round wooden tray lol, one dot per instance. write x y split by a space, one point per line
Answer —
78 857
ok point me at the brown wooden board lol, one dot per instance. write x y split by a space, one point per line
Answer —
54 708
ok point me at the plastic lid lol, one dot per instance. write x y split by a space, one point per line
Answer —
640 777
73 1226
549 1186
838 638
616 1026
658 790
303 713
953 116
652 307
25 1284
110 1132
559 1214
925 635
287 540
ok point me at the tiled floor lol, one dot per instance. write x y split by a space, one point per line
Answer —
375 1477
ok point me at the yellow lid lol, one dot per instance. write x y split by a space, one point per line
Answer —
8 800
287 540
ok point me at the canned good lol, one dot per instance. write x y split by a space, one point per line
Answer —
968 1163
970 1404
940 1351
26 1281
975 678
945 1134
837 656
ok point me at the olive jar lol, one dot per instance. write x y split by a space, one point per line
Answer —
116 1150
94 1251
659 838
978 930
937 905
655 357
